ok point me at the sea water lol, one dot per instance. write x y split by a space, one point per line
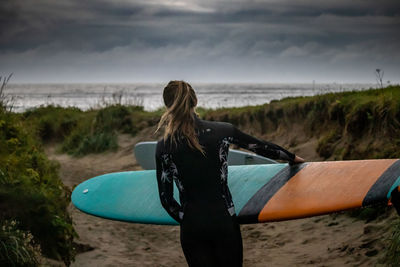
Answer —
149 95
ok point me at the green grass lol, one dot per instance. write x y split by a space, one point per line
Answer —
17 247
349 125
84 132
52 123
392 253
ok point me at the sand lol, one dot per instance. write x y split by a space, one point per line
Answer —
330 240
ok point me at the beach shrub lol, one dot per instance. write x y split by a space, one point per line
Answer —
82 143
97 133
31 191
83 132
112 118
97 130
52 123
17 247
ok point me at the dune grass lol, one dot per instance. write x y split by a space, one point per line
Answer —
392 253
349 125
17 247
84 132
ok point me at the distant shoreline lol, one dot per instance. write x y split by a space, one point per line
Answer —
211 95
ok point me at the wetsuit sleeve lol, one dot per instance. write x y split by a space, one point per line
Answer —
261 147
166 170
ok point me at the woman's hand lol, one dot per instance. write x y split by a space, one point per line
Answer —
296 160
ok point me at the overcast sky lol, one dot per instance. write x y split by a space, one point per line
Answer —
199 40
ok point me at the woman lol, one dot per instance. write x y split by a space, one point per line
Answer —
193 154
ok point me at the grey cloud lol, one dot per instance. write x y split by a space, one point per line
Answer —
157 34
104 24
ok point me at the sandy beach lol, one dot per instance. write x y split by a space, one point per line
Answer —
330 240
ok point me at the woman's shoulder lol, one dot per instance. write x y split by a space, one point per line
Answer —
164 146
221 127
217 124
160 147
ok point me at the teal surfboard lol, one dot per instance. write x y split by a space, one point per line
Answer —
261 193
145 151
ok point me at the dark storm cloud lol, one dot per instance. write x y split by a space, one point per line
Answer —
105 24
72 24
262 33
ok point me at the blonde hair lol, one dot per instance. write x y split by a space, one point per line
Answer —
179 117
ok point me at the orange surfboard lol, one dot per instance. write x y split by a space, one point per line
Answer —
318 188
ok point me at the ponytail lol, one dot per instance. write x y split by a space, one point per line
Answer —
179 117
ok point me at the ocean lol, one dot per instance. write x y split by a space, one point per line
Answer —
149 95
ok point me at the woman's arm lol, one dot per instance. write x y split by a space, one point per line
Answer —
263 148
166 170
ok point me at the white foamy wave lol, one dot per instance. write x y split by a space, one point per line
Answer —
87 96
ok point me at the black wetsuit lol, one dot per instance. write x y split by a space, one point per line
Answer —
210 232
